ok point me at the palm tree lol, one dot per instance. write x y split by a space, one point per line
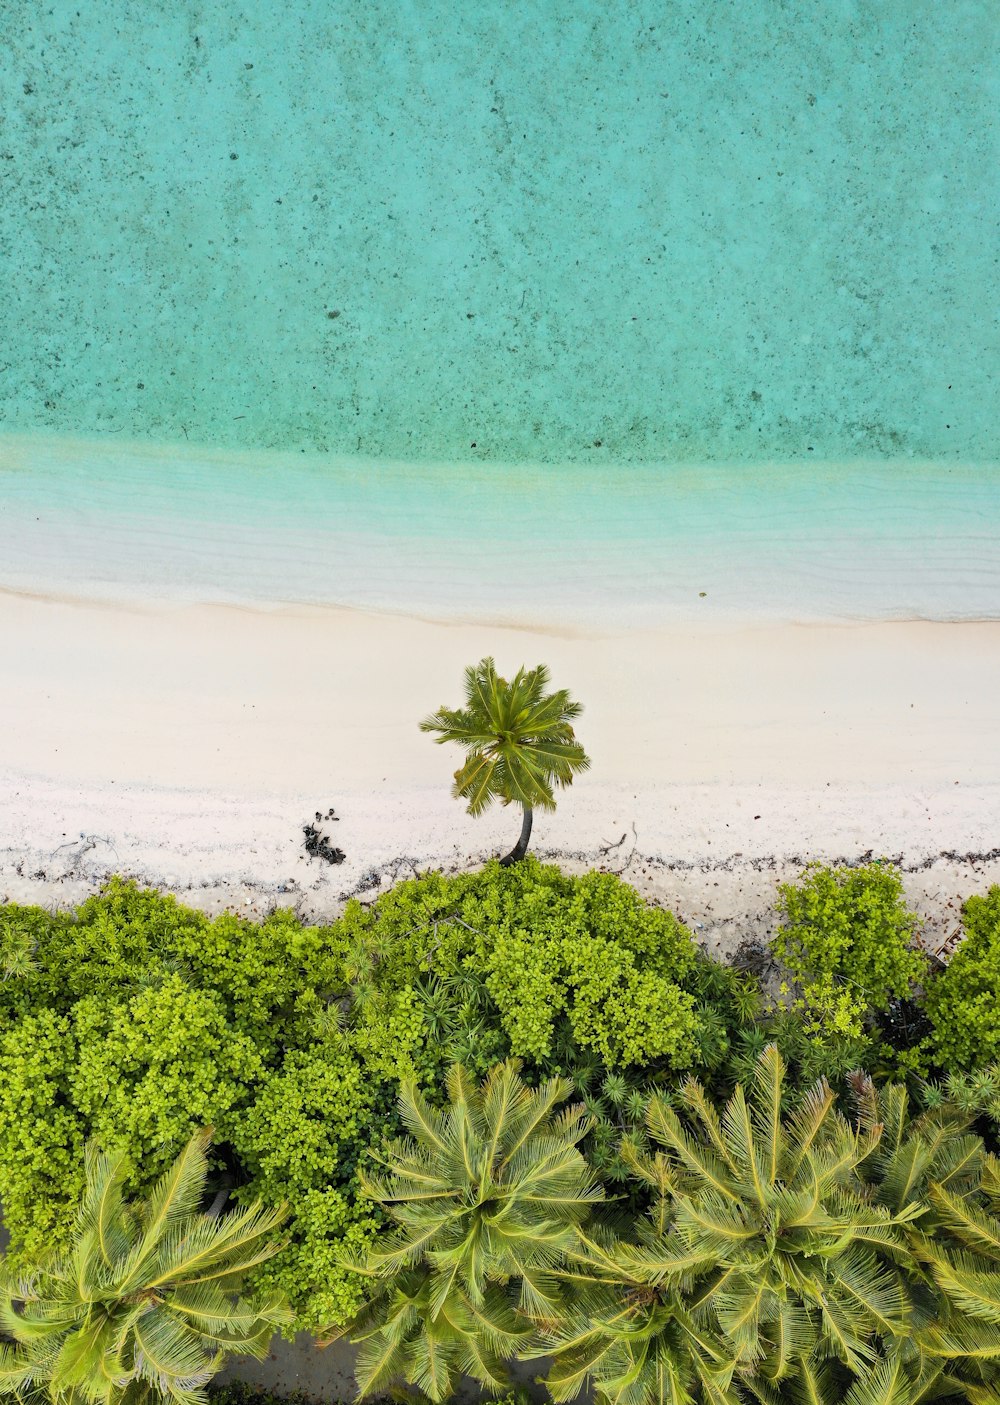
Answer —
146 1301
519 742
486 1195
794 1258
761 1261
956 1242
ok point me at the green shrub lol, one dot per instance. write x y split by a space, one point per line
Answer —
155 1067
591 952
847 940
267 975
963 1002
302 1141
41 1134
558 964
975 1092
141 1074
137 1020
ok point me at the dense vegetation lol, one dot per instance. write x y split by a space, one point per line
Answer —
513 1113
147 1297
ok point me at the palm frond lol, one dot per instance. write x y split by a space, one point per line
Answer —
109 1319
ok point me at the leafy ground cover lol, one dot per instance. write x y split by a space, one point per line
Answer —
341 1067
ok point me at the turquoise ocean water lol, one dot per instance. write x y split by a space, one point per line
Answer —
459 306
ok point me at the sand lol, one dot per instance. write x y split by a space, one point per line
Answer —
189 746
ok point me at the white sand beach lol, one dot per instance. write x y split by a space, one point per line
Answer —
188 746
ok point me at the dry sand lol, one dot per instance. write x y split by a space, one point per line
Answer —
188 747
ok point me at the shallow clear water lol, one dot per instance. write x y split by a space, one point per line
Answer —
563 310
572 545
552 232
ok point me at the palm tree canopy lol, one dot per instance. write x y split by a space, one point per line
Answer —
146 1301
788 1258
773 1218
486 1194
519 738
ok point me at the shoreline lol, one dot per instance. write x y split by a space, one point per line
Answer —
714 855
188 747
575 548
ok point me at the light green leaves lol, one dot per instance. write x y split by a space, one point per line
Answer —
147 1293
847 939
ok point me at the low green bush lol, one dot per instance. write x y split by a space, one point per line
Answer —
847 940
557 965
302 1140
137 1021
963 1002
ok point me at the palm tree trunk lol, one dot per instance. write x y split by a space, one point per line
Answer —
521 847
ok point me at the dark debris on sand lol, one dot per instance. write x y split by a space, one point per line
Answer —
317 844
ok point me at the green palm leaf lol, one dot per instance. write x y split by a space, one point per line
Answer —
969 1283
508 1189
147 1293
519 742
974 1227
887 1383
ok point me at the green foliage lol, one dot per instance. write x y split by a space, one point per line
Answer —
847 940
789 1258
267 976
150 1067
519 740
138 1021
141 1073
593 953
22 930
976 1093
809 1056
41 1134
302 1140
558 965
485 1194
146 1298
963 1002
757 1221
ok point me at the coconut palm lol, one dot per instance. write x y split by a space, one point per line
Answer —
519 741
956 1242
146 1300
790 1258
762 1259
486 1195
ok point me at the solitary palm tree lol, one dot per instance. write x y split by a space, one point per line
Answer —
519 741
146 1302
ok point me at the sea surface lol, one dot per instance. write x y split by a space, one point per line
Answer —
575 309
571 546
